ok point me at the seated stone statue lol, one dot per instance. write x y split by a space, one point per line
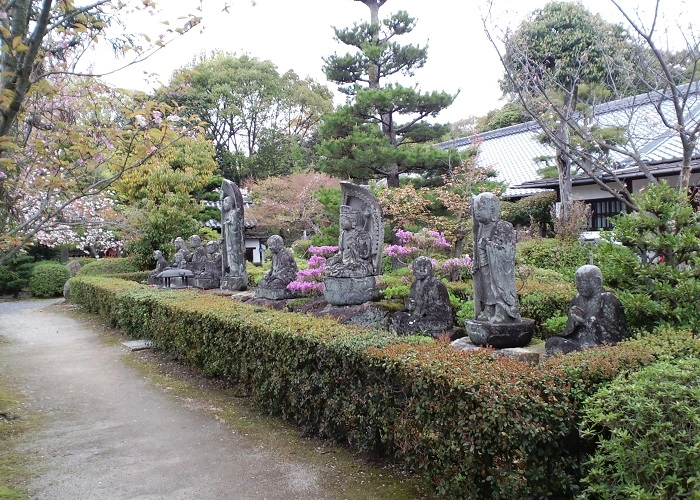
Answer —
181 248
595 316
283 271
354 257
199 255
161 265
428 304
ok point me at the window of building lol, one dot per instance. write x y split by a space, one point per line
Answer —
602 210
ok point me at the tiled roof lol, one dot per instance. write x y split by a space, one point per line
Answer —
514 151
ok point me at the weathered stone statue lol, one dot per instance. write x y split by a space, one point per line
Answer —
428 304
497 319
161 265
595 316
350 275
234 274
199 255
181 248
283 271
210 277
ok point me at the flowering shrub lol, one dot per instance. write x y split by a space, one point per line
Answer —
456 269
309 280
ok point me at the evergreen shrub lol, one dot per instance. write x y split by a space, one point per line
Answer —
648 430
15 274
560 255
476 426
48 279
109 266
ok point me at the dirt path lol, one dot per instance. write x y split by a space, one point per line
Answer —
109 433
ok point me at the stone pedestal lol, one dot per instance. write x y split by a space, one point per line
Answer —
233 283
273 293
500 335
350 291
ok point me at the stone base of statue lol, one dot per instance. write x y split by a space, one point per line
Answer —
175 278
274 293
500 335
350 291
206 283
235 283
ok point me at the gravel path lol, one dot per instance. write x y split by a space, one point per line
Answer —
109 433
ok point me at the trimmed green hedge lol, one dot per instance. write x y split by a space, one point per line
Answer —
48 279
109 266
476 426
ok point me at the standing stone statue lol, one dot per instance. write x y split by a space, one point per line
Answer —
283 271
595 316
234 274
350 276
497 319
428 304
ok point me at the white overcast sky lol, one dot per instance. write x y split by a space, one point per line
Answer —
297 34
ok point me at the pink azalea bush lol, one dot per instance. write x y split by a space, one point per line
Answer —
309 281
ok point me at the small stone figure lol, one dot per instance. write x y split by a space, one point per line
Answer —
199 255
350 277
161 265
210 277
354 257
234 274
595 316
497 319
181 248
428 304
283 271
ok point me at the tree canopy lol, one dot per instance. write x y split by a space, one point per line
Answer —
260 122
383 130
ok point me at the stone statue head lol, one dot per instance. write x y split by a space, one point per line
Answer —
179 257
195 241
589 281
349 217
157 254
212 247
179 244
275 243
486 207
422 268
227 203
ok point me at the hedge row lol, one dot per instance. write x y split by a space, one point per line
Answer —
476 426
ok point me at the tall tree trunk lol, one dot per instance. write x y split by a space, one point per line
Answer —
392 178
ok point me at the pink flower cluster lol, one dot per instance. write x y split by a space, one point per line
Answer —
309 280
399 251
462 265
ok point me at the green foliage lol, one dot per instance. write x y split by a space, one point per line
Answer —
511 113
653 262
536 208
109 266
330 233
255 273
301 248
648 429
559 255
48 279
15 274
553 326
465 311
383 132
475 425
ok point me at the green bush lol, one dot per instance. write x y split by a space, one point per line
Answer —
653 256
109 266
553 326
475 425
648 429
542 300
48 279
15 274
562 256
301 248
